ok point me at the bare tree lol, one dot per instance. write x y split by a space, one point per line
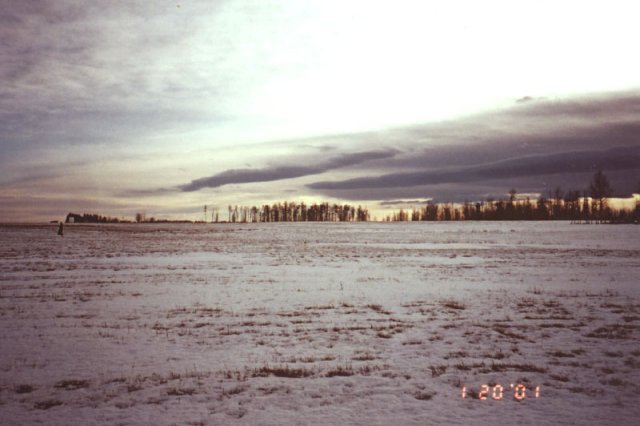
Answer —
600 189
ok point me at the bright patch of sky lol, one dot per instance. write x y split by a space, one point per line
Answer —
132 96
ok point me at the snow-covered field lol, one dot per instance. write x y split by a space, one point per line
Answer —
283 324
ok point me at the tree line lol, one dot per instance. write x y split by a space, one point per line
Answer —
295 212
589 206
92 218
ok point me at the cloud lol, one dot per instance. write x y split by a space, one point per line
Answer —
569 162
530 144
524 99
283 172
95 73
138 193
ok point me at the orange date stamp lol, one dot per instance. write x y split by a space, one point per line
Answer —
497 392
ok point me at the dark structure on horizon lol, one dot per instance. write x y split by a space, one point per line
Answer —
91 218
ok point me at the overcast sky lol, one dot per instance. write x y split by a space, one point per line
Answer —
116 107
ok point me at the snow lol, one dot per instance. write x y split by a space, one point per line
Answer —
328 323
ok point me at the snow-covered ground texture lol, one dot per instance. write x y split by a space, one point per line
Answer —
287 324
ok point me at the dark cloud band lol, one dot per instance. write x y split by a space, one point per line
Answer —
569 162
268 174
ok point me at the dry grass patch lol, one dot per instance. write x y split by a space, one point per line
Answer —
24 389
586 391
560 377
453 304
456 354
561 354
364 357
614 381
319 307
378 308
613 331
620 309
526 302
292 314
234 391
423 396
340 371
286 371
504 330
435 337
72 384
181 391
46 404
501 367
462 366
134 387
496 355
438 370
632 363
